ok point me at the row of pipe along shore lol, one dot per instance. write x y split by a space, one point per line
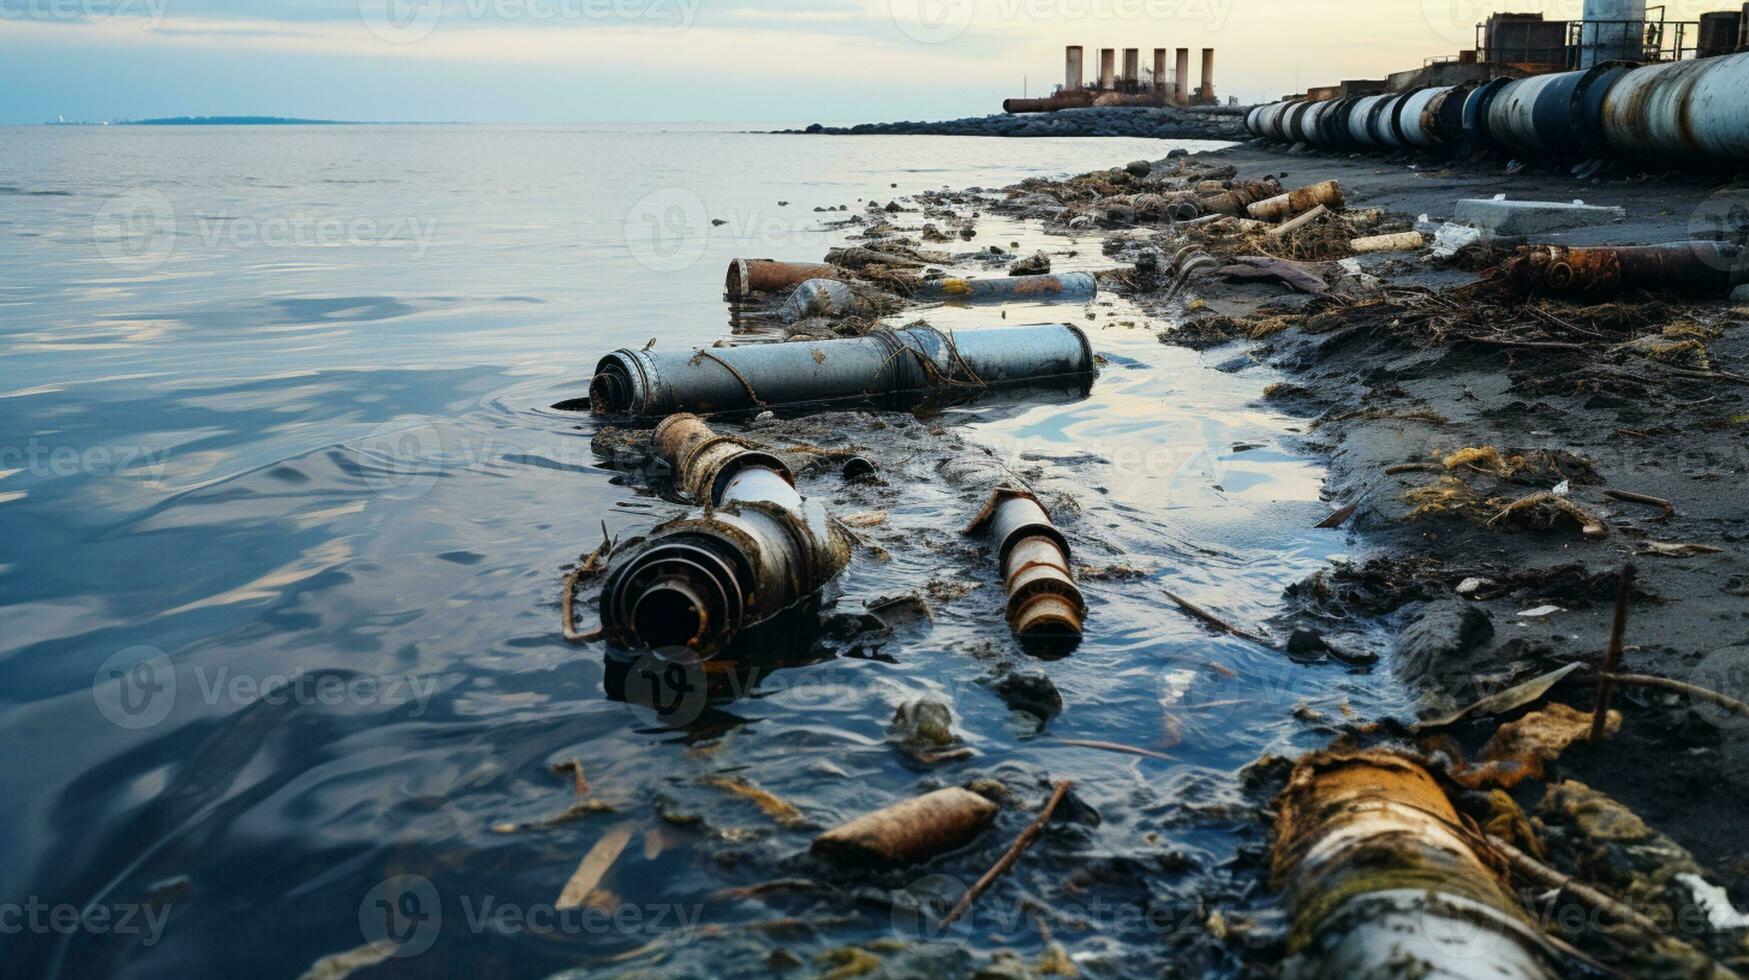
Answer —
1675 113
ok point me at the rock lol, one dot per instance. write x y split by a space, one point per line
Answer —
1740 294
923 724
1441 641
1139 168
1304 641
1350 649
1510 219
1036 264
1030 691
1177 152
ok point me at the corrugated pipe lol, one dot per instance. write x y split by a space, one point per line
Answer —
1043 602
884 364
747 277
1002 289
1383 879
758 549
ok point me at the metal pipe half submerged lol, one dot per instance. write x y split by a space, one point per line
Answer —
883 364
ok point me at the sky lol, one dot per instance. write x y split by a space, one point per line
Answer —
552 61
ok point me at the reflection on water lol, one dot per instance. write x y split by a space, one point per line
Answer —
286 510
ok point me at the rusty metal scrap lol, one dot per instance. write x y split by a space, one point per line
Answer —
747 277
1063 286
1298 201
885 364
1684 267
1384 879
757 549
1043 600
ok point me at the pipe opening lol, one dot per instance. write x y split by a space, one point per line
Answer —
735 283
669 614
610 391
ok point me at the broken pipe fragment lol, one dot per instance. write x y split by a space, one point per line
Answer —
910 831
1383 879
747 277
885 363
1299 201
1706 268
1043 601
1063 286
757 549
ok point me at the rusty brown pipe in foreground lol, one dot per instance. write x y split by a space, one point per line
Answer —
1383 879
1683 267
757 549
749 276
1299 201
1043 601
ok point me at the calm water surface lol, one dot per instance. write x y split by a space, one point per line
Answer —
285 510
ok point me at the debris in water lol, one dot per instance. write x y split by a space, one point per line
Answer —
909 831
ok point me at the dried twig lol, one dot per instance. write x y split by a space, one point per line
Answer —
1215 621
1612 658
1115 747
1530 868
1006 861
1402 468
1338 518
1680 687
1640 498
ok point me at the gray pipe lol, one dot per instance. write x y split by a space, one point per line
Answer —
1681 108
758 549
885 363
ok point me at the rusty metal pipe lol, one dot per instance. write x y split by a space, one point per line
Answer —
756 550
1383 879
1680 109
1705 268
749 276
1075 286
885 364
1299 201
1043 600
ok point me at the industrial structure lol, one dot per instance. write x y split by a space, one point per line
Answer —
1622 81
1131 86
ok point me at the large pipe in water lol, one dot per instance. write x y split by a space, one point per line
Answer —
885 364
758 549
1681 108
1383 879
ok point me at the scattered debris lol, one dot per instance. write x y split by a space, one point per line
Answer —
909 831
1006 861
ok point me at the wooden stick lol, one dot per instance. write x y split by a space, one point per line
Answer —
1680 687
1115 747
1299 222
1006 861
1215 621
1612 658
1640 498
1528 867
1338 518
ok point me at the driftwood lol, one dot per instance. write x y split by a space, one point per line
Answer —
1216 621
1612 658
909 831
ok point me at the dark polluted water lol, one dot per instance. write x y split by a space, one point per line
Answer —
287 509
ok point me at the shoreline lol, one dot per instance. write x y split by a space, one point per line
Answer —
1105 122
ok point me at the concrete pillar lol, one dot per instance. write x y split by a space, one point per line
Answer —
1072 68
1107 68
1182 89
1132 67
1208 74
1159 76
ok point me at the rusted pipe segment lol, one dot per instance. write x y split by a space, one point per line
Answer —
1383 880
883 363
1065 286
1445 113
909 831
1683 267
1417 123
1299 201
758 549
1033 556
1681 108
749 276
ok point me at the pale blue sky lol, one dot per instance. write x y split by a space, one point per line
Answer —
672 60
